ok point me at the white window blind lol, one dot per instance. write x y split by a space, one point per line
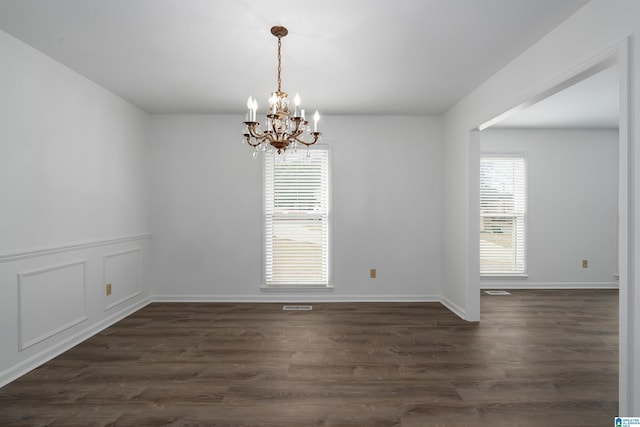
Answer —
297 218
502 215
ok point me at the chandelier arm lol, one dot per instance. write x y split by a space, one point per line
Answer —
316 136
258 140
298 129
251 144
296 132
251 127
258 137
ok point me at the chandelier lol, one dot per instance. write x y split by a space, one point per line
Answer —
282 129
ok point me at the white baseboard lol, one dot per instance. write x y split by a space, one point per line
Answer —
455 308
36 360
278 298
504 284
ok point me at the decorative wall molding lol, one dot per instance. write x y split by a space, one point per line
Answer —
120 253
70 247
121 300
37 291
57 298
131 281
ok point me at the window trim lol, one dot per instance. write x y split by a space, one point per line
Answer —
265 287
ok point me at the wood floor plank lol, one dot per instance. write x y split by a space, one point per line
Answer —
537 358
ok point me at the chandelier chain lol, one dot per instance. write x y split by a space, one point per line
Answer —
279 63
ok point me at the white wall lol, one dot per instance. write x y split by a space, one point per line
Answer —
387 192
572 183
73 208
386 214
583 39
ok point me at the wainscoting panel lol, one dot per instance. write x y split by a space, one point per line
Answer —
50 300
123 271
53 298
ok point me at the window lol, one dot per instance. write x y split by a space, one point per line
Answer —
297 218
502 215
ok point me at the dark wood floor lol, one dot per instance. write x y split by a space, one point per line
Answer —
537 358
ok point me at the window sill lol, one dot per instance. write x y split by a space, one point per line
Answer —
504 276
296 288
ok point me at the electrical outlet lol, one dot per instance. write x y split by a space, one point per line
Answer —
585 263
372 273
108 289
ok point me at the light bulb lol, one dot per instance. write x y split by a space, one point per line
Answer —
252 114
296 102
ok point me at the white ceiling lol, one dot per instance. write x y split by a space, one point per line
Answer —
343 56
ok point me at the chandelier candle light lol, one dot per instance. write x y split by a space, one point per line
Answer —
282 130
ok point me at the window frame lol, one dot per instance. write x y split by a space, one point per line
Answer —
267 286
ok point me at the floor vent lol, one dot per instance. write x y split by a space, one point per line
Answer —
297 307
497 293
